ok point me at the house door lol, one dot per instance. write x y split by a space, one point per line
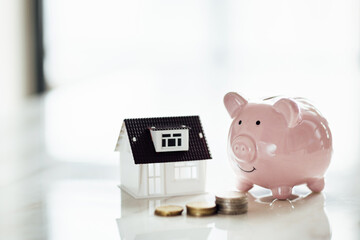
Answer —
155 179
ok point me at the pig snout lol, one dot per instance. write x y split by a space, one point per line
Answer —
244 149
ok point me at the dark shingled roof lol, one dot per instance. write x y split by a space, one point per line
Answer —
159 128
143 148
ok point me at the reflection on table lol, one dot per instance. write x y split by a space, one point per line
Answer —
301 217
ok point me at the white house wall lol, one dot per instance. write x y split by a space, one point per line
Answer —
143 187
129 171
185 186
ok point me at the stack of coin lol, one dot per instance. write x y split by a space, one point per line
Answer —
168 210
231 203
201 209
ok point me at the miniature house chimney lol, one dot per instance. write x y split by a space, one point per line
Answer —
170 139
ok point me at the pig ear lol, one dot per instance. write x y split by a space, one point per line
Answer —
290 110
234 102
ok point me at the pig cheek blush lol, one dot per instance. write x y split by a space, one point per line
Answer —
294 146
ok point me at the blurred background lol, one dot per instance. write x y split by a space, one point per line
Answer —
71 71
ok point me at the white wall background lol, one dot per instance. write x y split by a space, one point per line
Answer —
15 57
122 59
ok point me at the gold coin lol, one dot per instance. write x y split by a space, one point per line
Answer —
201 214
200 209
168 210
200 205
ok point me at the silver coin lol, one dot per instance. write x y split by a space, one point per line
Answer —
232 212
232 208
231 203
230 195
230 200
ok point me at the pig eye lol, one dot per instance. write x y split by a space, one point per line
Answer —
257 122
240 122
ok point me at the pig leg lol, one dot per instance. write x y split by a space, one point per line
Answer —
282 193
243 186
316 184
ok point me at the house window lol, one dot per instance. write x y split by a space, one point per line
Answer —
171 140
154 179
186 170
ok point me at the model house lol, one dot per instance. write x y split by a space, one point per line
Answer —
162 156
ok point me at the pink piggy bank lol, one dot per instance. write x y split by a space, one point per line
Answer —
277 144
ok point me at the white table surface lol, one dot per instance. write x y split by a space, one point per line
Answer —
59 177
